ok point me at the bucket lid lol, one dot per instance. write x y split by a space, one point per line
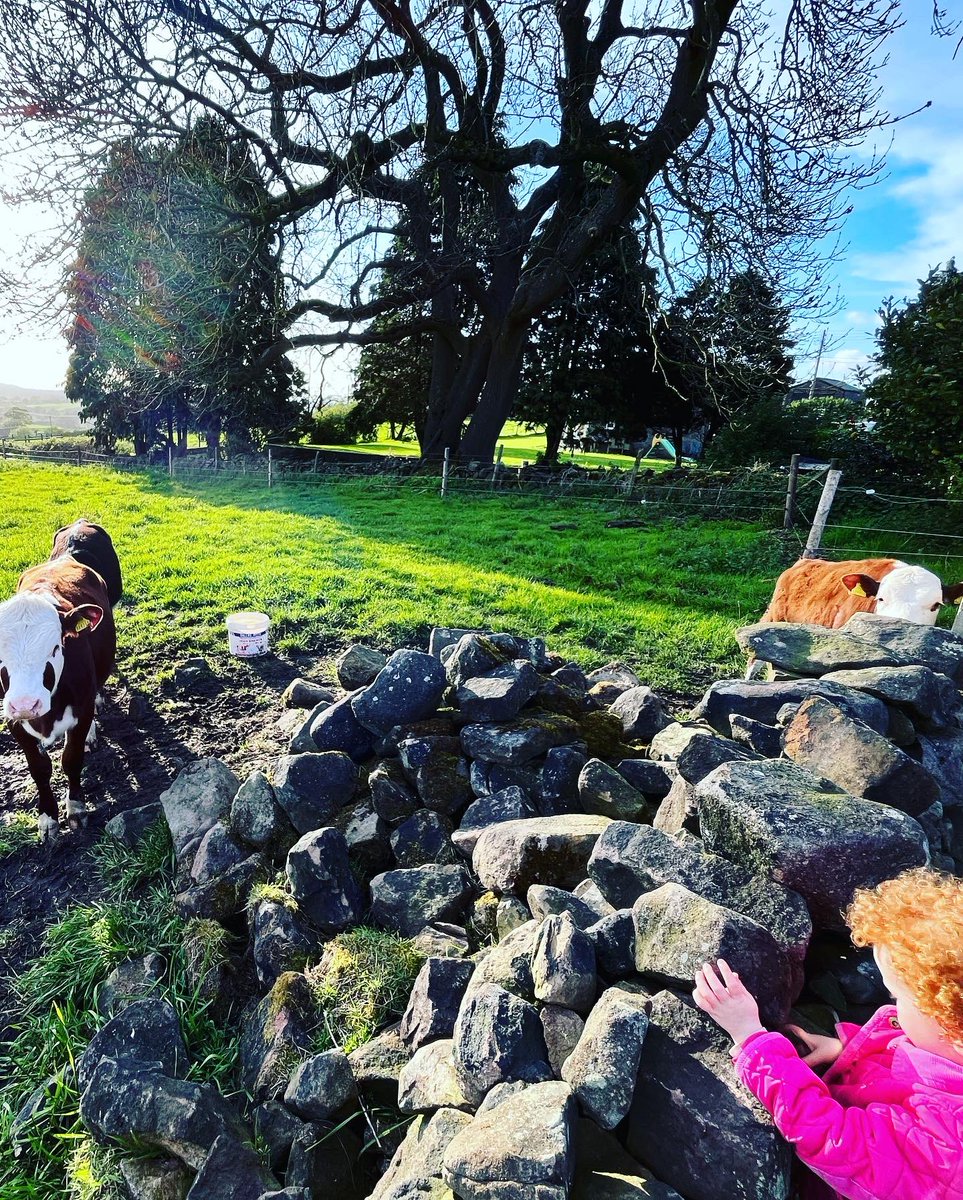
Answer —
258 619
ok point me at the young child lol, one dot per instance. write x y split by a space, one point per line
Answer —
885 1122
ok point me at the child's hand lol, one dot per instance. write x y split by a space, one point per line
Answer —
822 1049
727 1001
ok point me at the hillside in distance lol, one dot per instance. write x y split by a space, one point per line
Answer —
48 406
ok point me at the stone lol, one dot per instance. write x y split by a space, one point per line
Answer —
474 655
224 896
487 778
676 931
617 673
326 1160
497 1038
194 677
275 1128
652 779
391 797
199 796
131 826
163 1178
313 788
145 1031
561 1028
335 727
614 938
679 810
510 857
589 893
510 804
602 1068
563 964
305 693
764 740
558 784
824 739
641 713
509 963
930 700
546 901
523 1148
510 914
429 1080
762 701
516 742
810 649
781 820
424 838
604 790
436 996
499 695
926 645
415 1169
282 940
256 817
669 742
706 751
368 839
408 688
438 770
276 1036
231 1172
630 860
408 899
124 1099
321 1086
603 1170
377 1065
322 882
134 979
358 666
943 758
217 852
690 1110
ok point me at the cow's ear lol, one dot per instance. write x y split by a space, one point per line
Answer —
83 619
953 593
861 585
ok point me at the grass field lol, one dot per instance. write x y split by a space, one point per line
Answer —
519 445
334 563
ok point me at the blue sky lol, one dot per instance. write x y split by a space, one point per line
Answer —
908 222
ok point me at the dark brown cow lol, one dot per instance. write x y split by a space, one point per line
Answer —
57 648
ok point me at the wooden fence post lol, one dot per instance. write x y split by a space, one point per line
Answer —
630 486
444 473
170 461
496 466
80 458
270 469
822 511
789 516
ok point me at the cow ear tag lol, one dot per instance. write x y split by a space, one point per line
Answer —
858 590
82 624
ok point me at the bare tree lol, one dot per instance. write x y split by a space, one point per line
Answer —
731 137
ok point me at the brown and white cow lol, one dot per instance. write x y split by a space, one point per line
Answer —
816 592
57 647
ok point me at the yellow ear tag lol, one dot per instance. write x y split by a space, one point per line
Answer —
82 624
858 590
958 600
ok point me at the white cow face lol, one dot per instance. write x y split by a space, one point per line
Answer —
905 594
32 635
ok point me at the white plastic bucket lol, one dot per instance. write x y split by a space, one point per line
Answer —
247 633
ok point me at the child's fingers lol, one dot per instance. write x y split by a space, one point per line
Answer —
712 980
729 977
803 1034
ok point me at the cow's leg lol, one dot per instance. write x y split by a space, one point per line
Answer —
40 767
72 761
91 740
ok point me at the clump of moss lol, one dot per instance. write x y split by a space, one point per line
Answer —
362 982
603 733
274 892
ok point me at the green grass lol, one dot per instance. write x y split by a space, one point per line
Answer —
337 562
17 829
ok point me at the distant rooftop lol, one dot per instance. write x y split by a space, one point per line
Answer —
822 385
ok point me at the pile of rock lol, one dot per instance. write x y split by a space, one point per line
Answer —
565 855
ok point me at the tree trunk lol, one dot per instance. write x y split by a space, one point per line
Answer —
497 397
554 429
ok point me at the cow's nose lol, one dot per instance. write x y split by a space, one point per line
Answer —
23 708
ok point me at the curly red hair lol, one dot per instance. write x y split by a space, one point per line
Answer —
918 917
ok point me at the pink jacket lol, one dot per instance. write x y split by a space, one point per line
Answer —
884 1123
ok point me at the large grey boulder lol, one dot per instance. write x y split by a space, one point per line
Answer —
498 1038
943 758
130 1100
474 655
630 860
146 1031
510 804
692 1122
231 1172
282 939
938 649
306 693
377 1065
563 964
133 979
322 882
861 761
811 649
222 897
706 751
499 695
604 790
408 688
429 1080
217 852
357 666
424 838
335 727
508 964
602 1068
781 820
199 796
521 1150
561 1028
436 996
930 700
557 789
510 857
391 796
439 771
321 1086
313 788
408 899
516 742
256 816
676 931
762 701
415 1170
545 901
641 713
652 779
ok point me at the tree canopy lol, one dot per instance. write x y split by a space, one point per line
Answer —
730 137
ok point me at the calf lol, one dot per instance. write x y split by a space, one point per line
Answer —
815 592
57 647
